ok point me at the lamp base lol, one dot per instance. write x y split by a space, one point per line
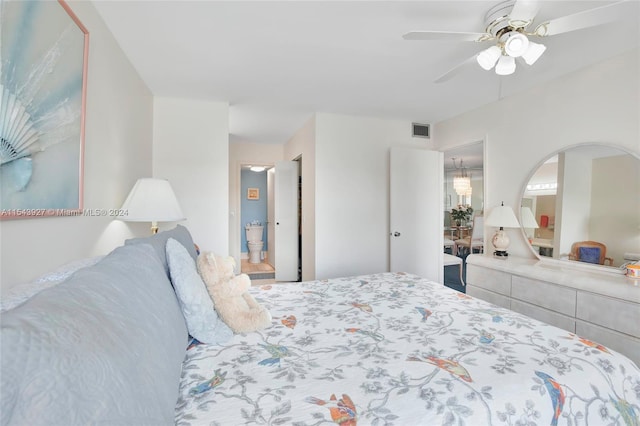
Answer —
500 241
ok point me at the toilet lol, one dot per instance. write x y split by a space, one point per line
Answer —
254 241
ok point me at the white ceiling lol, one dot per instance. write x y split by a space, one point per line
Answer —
277 63
470 154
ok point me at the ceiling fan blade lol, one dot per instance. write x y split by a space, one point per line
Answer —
588 18
523 13
456 70
446 35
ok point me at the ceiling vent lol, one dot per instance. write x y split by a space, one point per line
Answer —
421 130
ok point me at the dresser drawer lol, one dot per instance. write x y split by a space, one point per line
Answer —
611 313
544 315
626 345
549 296
489 296
489 279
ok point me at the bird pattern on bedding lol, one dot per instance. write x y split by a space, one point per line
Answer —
396 349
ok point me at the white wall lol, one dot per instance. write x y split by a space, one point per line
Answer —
191 150
117 152
596 104
573 201
303 144
245 153
615 219
352 192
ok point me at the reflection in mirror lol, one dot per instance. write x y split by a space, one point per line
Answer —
462 162
583 205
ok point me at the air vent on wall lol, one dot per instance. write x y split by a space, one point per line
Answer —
421 130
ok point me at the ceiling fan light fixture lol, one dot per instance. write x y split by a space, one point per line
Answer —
506 65
515 43
487 58
533 53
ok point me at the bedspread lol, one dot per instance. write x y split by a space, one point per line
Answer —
397 349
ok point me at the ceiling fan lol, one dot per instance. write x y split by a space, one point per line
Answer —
509 25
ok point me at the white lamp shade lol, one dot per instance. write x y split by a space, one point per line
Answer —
533 53
151 200
506 65
516 44
487 58
527 218
503 217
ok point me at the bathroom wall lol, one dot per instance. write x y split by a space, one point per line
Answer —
251 210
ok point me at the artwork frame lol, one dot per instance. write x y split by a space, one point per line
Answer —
43 90
253 193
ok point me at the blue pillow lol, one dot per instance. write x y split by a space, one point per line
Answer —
104 347
589 254
197 307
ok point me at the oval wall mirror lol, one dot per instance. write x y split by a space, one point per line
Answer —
582 204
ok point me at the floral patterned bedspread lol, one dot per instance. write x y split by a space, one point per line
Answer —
397 349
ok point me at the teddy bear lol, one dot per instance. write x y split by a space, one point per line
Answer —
236 307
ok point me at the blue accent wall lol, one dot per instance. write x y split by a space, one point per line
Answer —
251 210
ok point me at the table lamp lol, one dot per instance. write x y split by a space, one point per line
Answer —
152 200
502 217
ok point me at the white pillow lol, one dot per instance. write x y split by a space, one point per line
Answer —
196 304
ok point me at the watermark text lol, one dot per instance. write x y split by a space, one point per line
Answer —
64 212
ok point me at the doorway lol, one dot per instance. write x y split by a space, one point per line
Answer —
463 192
254 204
270 200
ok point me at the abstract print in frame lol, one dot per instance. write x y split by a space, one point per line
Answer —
43 80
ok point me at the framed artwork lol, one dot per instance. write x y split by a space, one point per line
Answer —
43 83
253 193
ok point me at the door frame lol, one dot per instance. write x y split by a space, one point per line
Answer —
235 228
235 236
485 198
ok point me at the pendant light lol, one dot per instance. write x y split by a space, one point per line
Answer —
461 181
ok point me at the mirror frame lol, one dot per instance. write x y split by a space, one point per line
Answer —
562 262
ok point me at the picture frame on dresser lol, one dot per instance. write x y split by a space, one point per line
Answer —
44 51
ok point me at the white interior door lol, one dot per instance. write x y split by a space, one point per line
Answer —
271 213
285 259
416 212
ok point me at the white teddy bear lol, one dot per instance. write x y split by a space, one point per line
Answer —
236 307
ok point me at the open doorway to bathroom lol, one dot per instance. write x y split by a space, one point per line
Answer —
271 221
254 234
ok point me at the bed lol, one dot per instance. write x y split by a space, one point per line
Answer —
394 348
